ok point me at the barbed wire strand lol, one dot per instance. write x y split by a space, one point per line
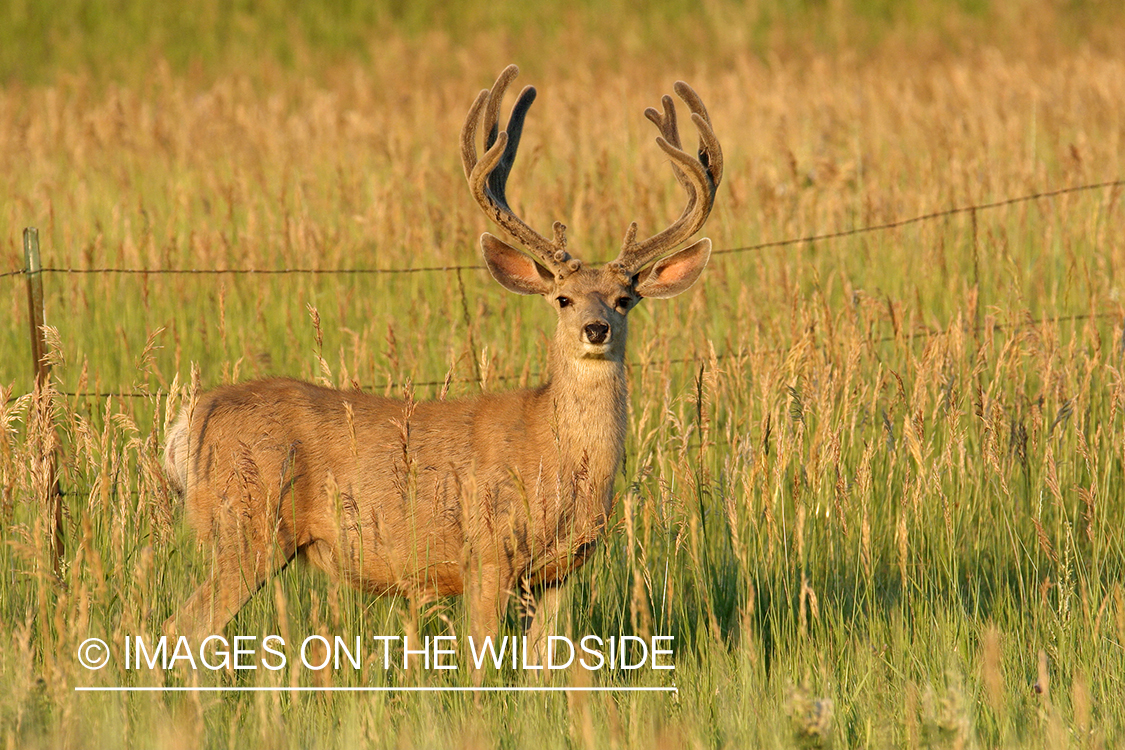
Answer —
476 267
262 271
923 334
924 217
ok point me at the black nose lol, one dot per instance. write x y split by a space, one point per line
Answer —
597 333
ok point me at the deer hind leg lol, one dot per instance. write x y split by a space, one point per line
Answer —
247 548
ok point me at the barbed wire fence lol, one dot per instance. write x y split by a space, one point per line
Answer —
33 272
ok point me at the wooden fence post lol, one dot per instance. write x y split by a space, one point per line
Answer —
36 315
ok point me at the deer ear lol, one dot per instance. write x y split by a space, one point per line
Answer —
514 271
676 273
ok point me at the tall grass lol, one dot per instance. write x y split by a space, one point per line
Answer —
873 485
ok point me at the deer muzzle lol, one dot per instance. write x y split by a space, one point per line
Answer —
596 333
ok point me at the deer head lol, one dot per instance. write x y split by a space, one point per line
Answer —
592 302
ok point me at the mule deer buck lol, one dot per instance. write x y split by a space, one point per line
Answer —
483 496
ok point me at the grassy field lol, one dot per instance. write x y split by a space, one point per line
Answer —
874 483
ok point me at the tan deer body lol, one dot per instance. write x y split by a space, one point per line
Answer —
486 496
397 497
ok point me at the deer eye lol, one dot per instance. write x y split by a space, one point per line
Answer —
563 301
624 302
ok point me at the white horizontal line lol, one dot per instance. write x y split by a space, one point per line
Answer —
306 689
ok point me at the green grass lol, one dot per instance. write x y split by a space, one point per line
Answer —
122 40
873 484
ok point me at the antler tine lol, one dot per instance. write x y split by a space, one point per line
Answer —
700 176
710 153
488 177
669 128
469 134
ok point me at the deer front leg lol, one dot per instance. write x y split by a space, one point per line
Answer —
540 619
487 600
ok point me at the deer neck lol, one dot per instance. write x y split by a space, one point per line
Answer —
587 400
